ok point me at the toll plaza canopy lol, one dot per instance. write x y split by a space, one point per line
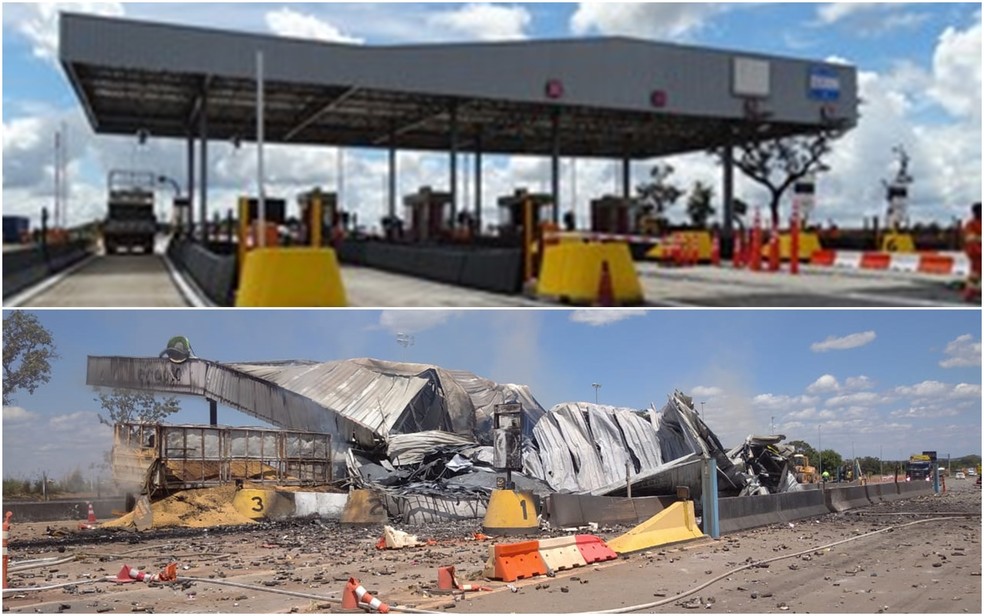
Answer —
605 97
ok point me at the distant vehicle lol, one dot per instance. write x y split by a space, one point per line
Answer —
130 222
15 229
960 475
971 472
804 472
919 467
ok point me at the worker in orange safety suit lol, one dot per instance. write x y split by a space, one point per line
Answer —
972 246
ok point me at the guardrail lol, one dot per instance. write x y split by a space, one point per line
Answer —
27 267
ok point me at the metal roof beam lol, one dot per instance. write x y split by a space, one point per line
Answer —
313 117
82 93
196 103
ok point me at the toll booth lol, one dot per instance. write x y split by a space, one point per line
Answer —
614 215
320 217
525 218
429 213
181 216
275 214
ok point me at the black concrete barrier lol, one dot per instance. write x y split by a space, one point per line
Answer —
27 267
842 499
740 512
909 489
214 274
494 269
798 505
567 510
67 510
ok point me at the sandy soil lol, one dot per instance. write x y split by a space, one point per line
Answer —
931 567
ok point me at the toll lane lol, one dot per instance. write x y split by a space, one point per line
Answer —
118 280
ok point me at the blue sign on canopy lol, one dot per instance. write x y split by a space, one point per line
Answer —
824 84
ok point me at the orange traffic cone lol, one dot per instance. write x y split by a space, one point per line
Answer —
715 251
445 578
91 519
130 574
6 540
355 595
606 291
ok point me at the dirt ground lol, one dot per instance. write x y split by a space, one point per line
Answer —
932 567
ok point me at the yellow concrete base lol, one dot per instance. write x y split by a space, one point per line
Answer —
510 512
364 507
675 523
290 277
808 244
263 504
897 242
701 239
572 272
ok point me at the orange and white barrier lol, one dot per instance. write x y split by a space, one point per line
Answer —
131 574
6 540
356 596
602 237
512 561
942 263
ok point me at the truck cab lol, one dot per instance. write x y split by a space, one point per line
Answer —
130 221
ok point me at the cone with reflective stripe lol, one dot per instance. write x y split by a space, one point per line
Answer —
356 596
130 574
6 540
91 519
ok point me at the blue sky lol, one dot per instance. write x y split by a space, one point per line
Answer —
919 74
904 381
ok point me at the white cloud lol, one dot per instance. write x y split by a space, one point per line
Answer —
702 391
966 390
485 22
678 21
961 352
936 389
597 318
869 18
865 398
825 383
774 402
858 382
414 321
287 22
956 69
17 414
39 23
57 444
851 341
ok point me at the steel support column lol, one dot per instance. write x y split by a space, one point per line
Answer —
203 169
454 164
190 182
727 192
478 184
213 412
392 177
709 498
555 165
626 177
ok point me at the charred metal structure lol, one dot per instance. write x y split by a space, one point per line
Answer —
618 98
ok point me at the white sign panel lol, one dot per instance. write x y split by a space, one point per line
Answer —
751 78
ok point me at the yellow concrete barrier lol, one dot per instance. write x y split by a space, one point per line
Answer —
664 251
572 273
808 244
364 507
510 512
291 277
263 504
897 242
671 525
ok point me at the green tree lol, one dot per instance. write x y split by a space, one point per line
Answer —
831 461
777 164
658 194
699 204
130 406
806 449
871 465
28 350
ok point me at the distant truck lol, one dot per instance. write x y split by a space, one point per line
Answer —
130 220
15 229
918 468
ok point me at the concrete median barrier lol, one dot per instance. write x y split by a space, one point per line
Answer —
565 510
741 512
73 510
914 488
798 505
882 492
498 270
842 499
214 274
27 267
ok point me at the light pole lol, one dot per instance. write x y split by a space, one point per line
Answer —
702 403
404 340
820 452
596 386
773 424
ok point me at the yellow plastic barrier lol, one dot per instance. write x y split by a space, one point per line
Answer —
897 242
809 243
673 524
572 273
291 277
510 512
664 251
263 504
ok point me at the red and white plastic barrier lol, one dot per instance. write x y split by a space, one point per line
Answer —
942 263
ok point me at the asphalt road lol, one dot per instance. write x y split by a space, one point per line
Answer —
135 280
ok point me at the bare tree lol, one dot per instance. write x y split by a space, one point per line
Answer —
779 163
